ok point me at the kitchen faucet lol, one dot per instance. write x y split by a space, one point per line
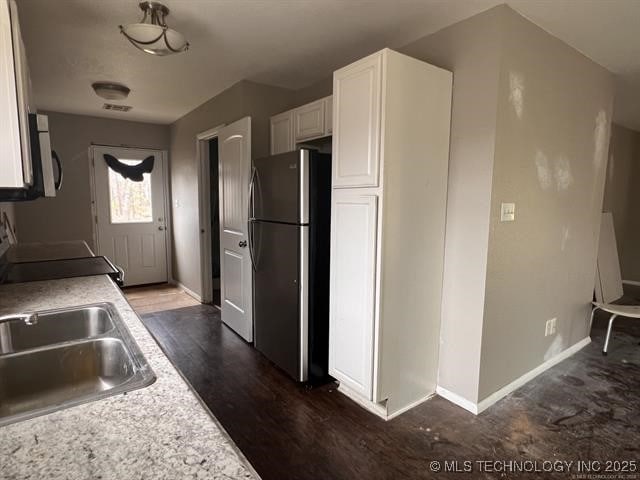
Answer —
28 318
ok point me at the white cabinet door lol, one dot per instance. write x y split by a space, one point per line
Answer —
11 166
22 88
282 133
309 121
353 273
356 136
328 115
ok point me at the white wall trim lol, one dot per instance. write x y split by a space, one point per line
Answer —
92 189
211 133
204 207
477 408
168 217
410 406
631 282
377 408
457 399
517 383
188 291
374 408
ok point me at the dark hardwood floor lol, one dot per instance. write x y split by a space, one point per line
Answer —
585 408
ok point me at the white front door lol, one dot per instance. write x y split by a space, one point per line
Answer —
236 274
130 215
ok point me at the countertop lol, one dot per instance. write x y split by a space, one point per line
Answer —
34 252
159 432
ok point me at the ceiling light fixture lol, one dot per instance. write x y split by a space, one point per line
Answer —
152 35
111 91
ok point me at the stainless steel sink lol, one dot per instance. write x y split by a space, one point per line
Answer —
48 328
64 358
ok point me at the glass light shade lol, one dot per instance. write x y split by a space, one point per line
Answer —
111 91
155 39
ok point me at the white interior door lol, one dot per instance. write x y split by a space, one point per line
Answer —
236 274
130 216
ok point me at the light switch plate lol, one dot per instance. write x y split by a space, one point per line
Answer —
508 212
550 327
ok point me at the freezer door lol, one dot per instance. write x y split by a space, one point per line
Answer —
280 295
281 188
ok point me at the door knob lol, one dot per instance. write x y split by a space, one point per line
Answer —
160 228
242 244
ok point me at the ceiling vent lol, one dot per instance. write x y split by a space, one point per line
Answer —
117 108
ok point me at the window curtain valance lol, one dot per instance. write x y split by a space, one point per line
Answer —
132 172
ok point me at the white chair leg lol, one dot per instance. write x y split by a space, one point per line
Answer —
606 340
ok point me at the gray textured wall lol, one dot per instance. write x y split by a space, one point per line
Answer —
530 125
622 197
68 215
471 50
553 123
242 99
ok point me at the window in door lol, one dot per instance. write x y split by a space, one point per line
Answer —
129 201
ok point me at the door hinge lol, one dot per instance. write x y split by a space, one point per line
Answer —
96 218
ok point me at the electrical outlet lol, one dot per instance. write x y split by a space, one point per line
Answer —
550 327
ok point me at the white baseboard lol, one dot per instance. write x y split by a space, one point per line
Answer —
376 408
410 406
363 402
188 291
477 408
517 383
457 399
631 282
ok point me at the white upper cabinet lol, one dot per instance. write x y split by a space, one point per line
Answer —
356 139
309 120
15 171
23 87
282 133
328 115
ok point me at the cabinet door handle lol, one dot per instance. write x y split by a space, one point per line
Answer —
58 183
242 244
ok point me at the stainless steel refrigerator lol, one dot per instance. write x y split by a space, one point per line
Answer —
289 246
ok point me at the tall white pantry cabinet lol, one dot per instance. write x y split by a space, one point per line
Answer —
391 124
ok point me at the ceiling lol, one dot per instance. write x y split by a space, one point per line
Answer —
289 43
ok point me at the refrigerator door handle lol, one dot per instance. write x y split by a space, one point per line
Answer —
250 219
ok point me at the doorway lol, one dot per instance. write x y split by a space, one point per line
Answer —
214 213
233 157
129 200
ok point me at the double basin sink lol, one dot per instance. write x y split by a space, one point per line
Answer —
55 359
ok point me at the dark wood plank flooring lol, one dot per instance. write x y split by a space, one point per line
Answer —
585 408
